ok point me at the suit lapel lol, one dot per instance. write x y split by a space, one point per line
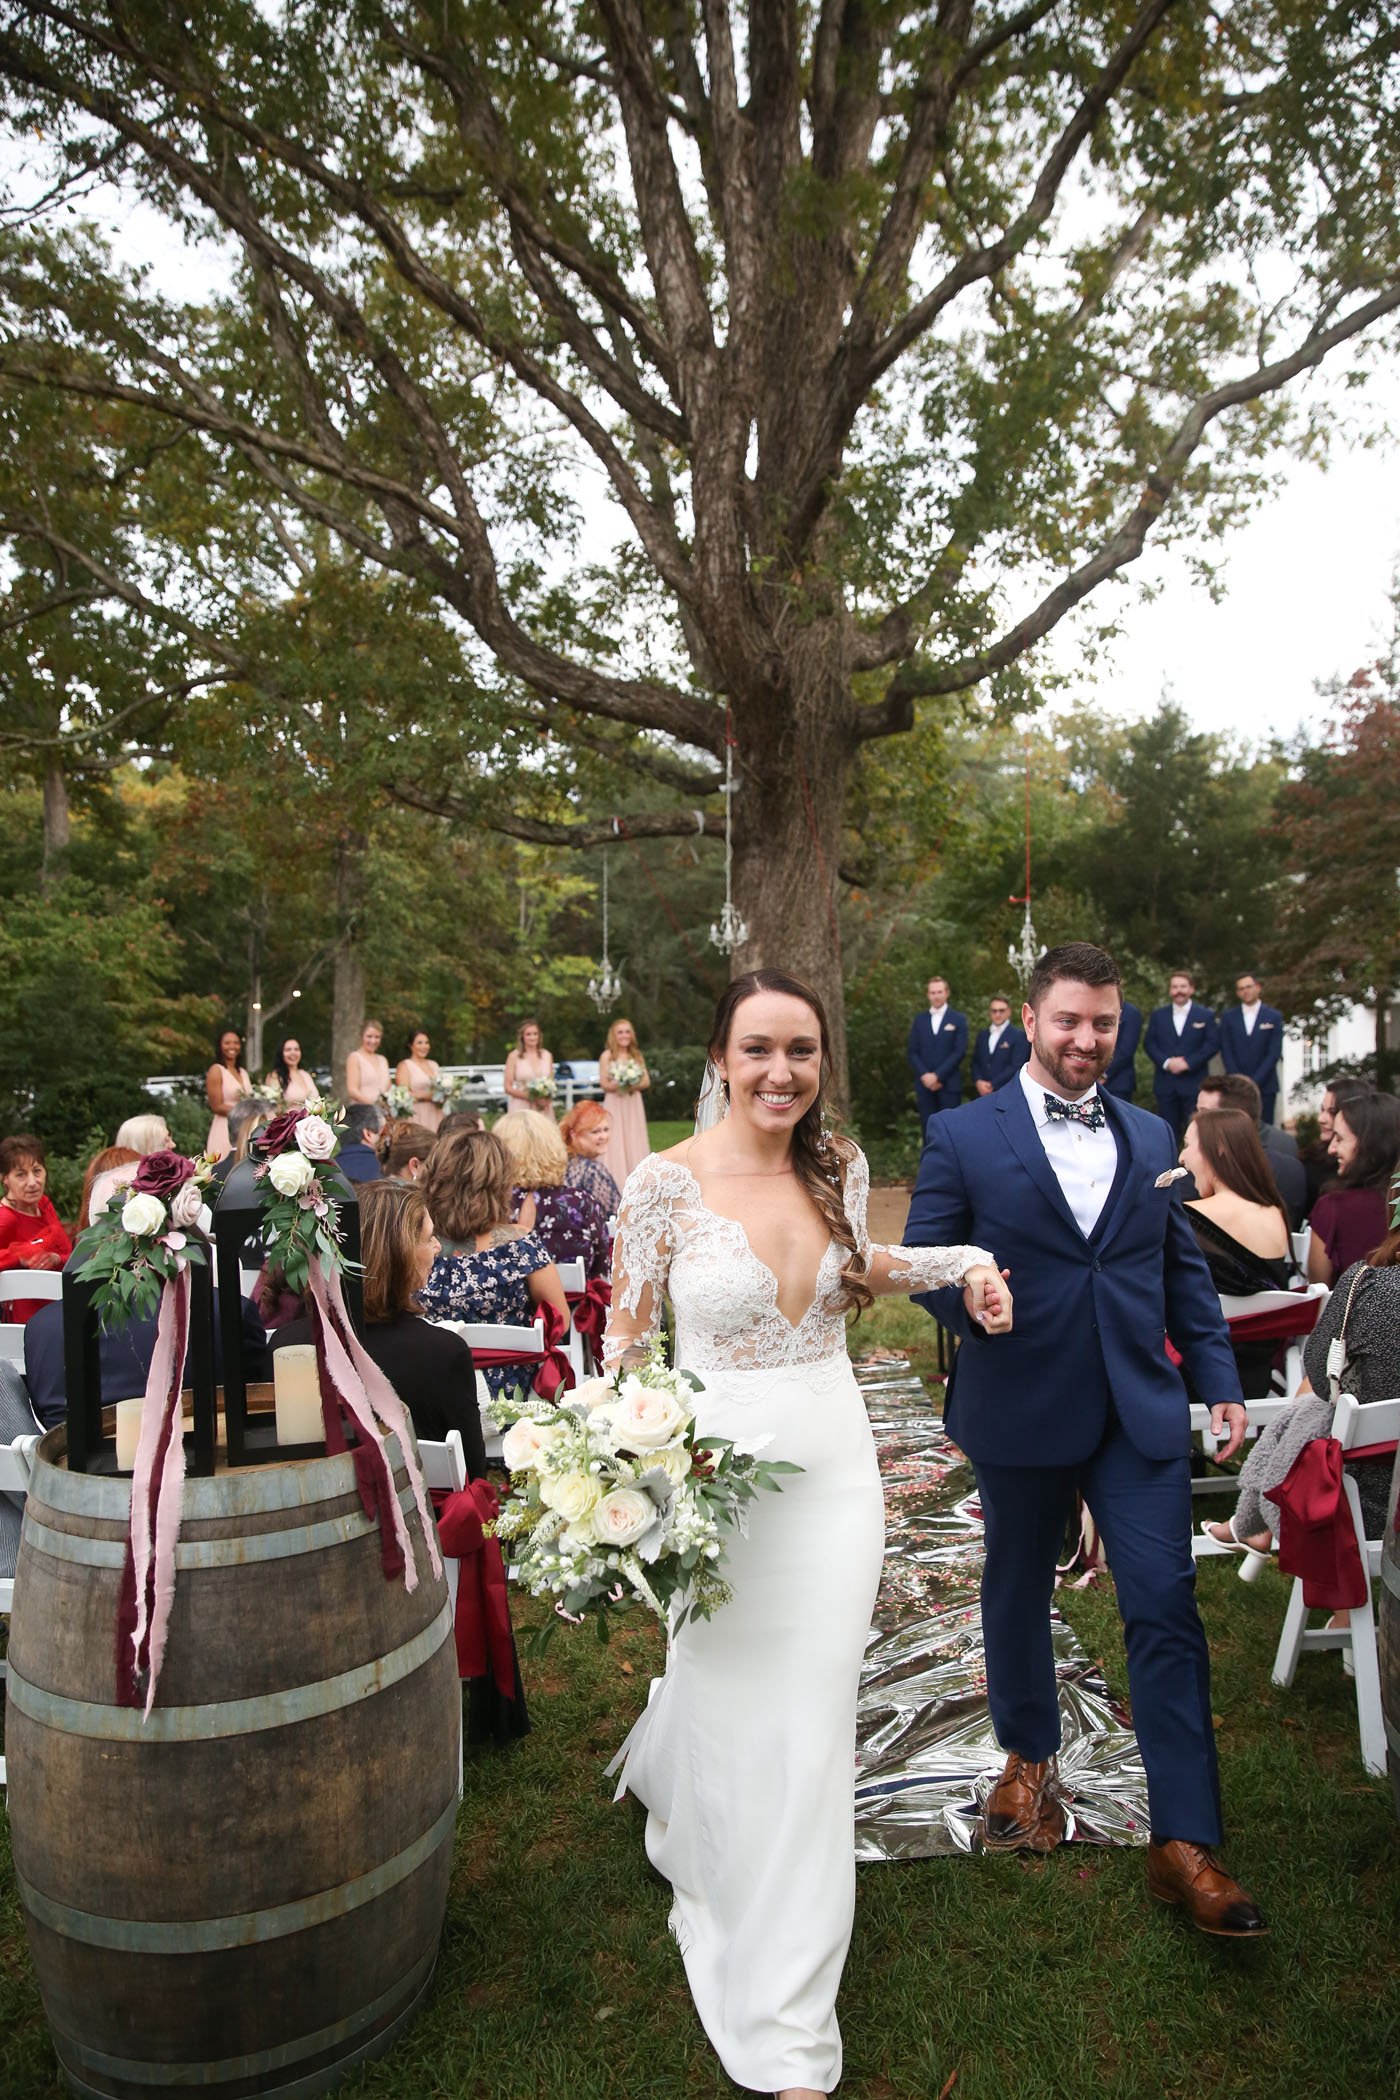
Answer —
1132 1171
1024 1140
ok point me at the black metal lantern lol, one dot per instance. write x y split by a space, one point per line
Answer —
238 1217
90 1450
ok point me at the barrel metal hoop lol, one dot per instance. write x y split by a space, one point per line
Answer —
285 2057
256 1491
226 1717
248 1929
79 1549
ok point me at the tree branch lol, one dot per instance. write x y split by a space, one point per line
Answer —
645 824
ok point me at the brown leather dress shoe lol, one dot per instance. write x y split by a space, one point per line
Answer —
1188 1875
1024 1812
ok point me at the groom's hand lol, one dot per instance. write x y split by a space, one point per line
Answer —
1232 1413
987 1299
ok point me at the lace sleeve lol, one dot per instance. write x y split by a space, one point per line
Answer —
642 1253
898 1270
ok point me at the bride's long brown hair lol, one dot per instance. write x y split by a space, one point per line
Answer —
819 1157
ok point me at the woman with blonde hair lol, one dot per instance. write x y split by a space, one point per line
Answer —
489 1270
624 1078
367 1068
568 1223
586 1130
101 1180
528 1061
144 1134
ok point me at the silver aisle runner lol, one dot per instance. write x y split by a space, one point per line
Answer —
925 1749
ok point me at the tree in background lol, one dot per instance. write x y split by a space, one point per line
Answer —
889 336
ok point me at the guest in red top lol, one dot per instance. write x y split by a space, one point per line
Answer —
1353 1216
31 1235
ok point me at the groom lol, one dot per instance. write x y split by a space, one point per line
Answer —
1070 1186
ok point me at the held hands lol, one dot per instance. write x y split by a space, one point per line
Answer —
1175 1064
932 1081
988 1299
1229 1412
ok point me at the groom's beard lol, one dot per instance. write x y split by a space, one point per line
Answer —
1078 1077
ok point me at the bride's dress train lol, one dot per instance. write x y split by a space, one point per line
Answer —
745 1755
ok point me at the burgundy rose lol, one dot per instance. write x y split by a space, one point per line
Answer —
280 1134
162 1173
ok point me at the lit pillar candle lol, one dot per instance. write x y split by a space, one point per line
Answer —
296 1393
128 1433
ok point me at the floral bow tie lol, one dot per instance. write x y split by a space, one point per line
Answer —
1089 1113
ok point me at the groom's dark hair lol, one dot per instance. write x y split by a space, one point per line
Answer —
1079 960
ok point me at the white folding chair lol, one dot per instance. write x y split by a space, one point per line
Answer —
1301 1241
16 1465
574 1278
12 1343
527 1344
445 1467
1354 1427
30 1283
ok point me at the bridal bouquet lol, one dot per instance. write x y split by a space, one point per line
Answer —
628 1075
617 1498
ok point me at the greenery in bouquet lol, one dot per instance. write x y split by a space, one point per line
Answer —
298 1185
440 1092
269 1092
461 1094
399 1102
616 1498
628 1074
541 1089
152 1227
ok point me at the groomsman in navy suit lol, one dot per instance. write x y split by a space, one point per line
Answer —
1072 1191
1181 1040
1251 1041
937 1047
1121 1076
1000 1050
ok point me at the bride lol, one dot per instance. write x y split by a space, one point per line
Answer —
745 1757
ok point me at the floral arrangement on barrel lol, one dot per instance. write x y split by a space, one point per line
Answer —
151 1229
617 1498
628 1074
297 1187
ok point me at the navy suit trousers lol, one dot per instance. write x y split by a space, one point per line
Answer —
1143 1510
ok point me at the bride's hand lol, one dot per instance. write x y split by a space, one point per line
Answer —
988 1298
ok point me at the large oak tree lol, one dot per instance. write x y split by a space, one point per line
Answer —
890 333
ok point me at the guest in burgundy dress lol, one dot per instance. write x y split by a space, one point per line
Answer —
1353 1216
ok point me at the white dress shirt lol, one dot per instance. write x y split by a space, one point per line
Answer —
935 1014
996 1032
1084 1161
1251 1015
1180 1016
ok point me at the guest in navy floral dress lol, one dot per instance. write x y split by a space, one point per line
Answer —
586 1131
567 1221
489 1270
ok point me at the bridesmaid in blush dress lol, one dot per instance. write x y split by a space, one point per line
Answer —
755 1229
289 1074
418 1072
224 1083
528 1060
367 1068
627 1141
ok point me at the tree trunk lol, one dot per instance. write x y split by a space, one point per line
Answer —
348 994
58 829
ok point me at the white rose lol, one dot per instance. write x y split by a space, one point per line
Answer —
622 1516
593 1393
289 1173
574 1495
525 1442
316 1138
187 1204
645 1418
142 1215
674 1462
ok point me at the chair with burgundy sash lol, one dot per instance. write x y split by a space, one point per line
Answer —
541 1344
1324 1547
445 1473
588 1308
1264 1316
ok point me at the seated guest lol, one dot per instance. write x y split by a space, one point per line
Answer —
403 1150
358 1157
145 1134
1237 1090
31 1232
1352 1216
567 1223
1318 1163
17 1419
123 1353
1239 1221
586 1130
1364 1311
461 1119
101 1179
489 1270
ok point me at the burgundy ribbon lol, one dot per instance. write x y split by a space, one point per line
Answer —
1317 1539
147 1588
555 1374
591 1306
482 1624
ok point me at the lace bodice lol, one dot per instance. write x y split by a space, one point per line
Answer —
670 1245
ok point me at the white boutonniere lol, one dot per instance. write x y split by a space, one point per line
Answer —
1164 1181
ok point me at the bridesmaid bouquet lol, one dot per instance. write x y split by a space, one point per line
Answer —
628 1075
399 1102
539 1090
616 1498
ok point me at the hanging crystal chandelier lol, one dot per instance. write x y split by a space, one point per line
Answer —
729 931
1024 959
604 987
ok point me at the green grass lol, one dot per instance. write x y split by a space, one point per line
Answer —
1044 1980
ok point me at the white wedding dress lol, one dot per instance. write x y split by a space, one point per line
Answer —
745 1755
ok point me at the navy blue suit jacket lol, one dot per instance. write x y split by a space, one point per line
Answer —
943 1055
1197 1043
1091 1315
1255 1055
1005 1061
1121 1076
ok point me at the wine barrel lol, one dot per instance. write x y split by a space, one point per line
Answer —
1389 1636
244 1893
